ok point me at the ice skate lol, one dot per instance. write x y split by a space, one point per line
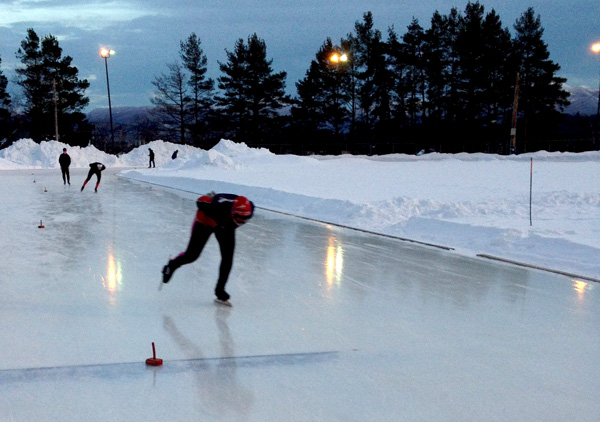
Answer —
167 273
223 302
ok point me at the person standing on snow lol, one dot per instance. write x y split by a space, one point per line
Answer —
95 168
65 161
151 164
220 214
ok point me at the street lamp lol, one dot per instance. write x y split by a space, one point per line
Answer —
335 58
596 50
105 54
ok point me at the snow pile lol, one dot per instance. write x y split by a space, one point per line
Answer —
28 154
474 203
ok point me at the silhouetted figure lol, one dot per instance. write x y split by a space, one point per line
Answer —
151 164
65 161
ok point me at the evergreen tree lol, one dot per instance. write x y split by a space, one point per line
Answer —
172 102
540 91
5 103
253 93
414 75
48 79
470 48
370 66
500 69
195 62
308 110
398 69
328 83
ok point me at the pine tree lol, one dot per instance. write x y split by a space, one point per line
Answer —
328 82
5 103
499 69
172 102
414 75
370 66
398 70
470 48
195 62
44 71
253 93
541 91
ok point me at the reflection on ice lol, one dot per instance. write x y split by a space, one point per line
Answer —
112 282
580 287
334 263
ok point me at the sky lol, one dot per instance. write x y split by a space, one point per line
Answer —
145 34
432 198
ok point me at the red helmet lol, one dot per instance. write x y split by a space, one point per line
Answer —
242 210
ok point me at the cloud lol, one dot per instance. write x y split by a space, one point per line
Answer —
82 15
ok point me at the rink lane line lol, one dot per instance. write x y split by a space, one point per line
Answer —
433 245
135 369
536 267
390 236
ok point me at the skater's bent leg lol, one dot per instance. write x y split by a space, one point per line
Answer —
198 239
89 176
226 240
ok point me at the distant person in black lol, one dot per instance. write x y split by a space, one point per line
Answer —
174 156
65 161
151 164
95 168
220 214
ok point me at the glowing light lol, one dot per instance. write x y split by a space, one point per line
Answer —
336 58
580 287
596 47
334 262
112 282
106 53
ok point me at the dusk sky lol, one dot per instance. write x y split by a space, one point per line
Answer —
145 34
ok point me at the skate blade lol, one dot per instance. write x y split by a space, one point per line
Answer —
223 302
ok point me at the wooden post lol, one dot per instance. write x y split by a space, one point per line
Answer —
513 130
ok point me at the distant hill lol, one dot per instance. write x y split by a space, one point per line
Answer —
121 115
584 100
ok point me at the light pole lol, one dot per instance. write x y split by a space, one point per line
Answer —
596 50
105 54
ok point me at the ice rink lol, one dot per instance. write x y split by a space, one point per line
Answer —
328 324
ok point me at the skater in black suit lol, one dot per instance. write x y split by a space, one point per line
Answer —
95 168
220 214
151 163
65 161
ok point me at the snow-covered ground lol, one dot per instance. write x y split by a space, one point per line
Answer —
472 203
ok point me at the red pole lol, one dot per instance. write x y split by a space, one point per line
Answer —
530 190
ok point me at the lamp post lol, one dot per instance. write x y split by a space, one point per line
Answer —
596 50
105 54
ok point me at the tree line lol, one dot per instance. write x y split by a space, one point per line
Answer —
450 87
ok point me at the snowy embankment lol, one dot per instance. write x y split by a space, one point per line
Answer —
473 203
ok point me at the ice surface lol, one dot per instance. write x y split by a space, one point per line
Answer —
328 324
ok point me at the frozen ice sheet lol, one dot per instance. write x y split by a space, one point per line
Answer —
328 324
